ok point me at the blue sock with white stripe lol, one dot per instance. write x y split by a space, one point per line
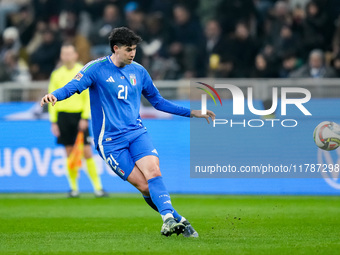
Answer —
149 201
160 196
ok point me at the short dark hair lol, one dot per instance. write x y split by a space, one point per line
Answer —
123 36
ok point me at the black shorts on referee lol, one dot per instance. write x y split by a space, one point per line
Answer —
68 126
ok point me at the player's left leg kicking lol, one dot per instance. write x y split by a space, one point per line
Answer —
133 158
146 177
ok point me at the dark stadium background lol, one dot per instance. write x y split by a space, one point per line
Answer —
249 43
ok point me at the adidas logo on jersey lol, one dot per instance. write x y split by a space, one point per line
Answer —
154 151
110 79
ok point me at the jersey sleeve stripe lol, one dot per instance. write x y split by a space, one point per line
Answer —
91 63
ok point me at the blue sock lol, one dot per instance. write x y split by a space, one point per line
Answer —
176 215
150 203
160 196
153 206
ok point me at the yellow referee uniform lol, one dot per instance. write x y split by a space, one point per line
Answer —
78 103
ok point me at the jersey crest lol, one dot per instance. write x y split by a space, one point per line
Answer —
133 80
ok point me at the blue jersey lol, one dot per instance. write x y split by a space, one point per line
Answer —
115 94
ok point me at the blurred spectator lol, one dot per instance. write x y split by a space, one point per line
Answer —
82 46
11 42
101 30
135 20
336 38
269 53
232 11
74 6
315 28
47 9
7 7
44 59
37 38
213 34
155 35
336 64
163 6
315 68
263 6
290 63
13 69
262 11
286 42
74 27
301 3
331 7
207 10
153 46
214 48
68 22
53 26
25 24
186 40
243 50
95 8
279 17
263 69
298 17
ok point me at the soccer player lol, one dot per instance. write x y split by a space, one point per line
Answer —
116 83
70 116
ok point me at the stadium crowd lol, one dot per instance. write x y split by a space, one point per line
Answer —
182 38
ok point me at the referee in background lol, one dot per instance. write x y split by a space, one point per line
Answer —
71 116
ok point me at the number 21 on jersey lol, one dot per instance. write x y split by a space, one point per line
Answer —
123 91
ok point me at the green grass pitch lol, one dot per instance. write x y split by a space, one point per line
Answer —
124 224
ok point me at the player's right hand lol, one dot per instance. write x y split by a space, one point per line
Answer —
49 98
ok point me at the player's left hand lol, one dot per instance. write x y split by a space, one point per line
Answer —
198 114
83 125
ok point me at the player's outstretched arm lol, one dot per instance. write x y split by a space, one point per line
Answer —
151 93
49 98
198 114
